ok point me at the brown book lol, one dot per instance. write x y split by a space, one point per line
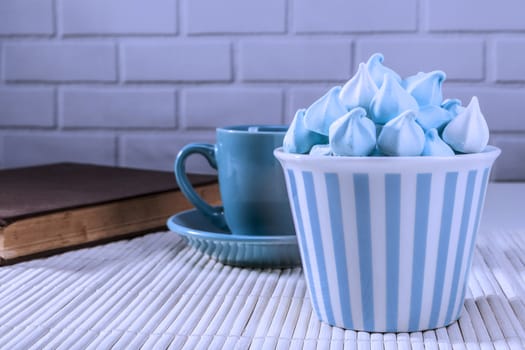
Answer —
45 209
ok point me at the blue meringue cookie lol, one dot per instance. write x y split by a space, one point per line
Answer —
402 136
468 131
426 87
390 101
411 79
453 105
353 134
378 70
433 117
298 138
435 146
359 90
321 150
320 115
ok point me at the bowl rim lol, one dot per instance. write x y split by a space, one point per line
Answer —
244 129
490 152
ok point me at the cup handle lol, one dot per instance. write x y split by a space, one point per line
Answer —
216 214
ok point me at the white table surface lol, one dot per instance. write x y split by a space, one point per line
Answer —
154 292
504 207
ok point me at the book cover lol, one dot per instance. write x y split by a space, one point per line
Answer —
47 208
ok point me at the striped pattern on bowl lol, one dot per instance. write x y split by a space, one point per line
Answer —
386 243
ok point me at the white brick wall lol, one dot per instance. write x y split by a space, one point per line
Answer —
340 16
27 107
203 108
475 15
294 60
158 150
118 108
409 55
129 82
60 62
23 17
114 17
176 61
34 148
235 16
509 58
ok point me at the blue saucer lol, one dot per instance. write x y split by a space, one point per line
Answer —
236 250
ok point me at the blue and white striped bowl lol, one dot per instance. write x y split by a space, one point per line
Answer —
386 242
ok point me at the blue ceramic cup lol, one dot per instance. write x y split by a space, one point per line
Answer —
251 181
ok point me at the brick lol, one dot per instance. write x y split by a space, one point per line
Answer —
502 107
210 61
118 108
280 60
510 55
475 15
303 98
461 59
311 16
27 107
509 166
211 108
32 149
210 16
26 17
57 62
118 17
159 151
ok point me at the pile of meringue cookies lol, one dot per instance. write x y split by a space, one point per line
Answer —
376 113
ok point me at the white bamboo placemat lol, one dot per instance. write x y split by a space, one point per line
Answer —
154 292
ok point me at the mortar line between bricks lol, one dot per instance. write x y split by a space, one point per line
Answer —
491 57
110 36
189 133
118 62
116 154
488 74
287 105
452 83
402 35
353 56
55 18
181 18
10 129
509 133
181 104
70 83
112 129
176 108
288 18
234 61
421 20
178 17
56 107
283 106
35 36
518 85
58 20
477 31
2 63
